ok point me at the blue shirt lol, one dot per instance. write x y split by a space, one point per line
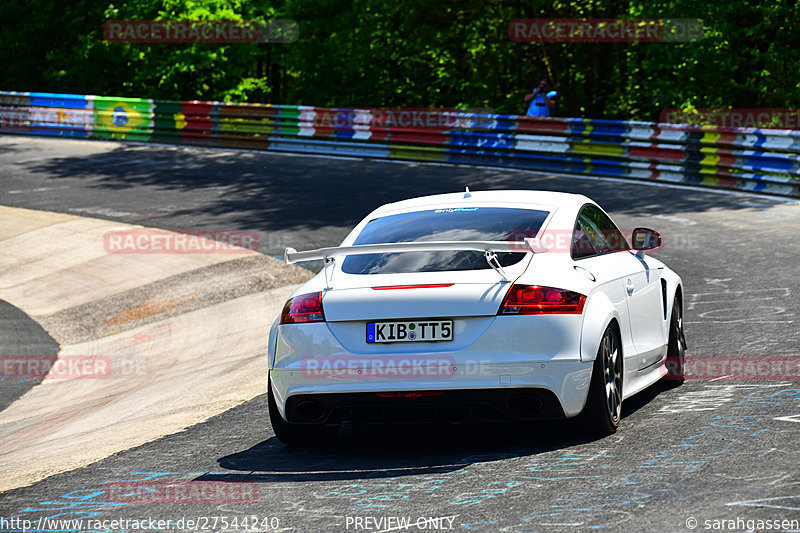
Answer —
538 107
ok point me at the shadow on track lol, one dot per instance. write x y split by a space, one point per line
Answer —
395 451
278 192
22 340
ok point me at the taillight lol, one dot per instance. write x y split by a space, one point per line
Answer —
303 308
536 300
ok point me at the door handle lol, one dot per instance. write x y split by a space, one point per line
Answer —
629 287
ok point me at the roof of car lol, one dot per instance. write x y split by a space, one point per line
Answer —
540 198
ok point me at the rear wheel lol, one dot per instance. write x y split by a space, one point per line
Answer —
603 408
676 348
296 434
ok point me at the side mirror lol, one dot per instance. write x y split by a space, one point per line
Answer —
645 239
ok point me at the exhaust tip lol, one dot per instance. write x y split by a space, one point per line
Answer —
525 404
310 410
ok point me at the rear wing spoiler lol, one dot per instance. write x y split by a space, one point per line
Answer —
290 255
489 249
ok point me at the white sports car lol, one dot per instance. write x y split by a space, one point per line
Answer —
482 306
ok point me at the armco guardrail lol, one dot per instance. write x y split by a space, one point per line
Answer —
735 158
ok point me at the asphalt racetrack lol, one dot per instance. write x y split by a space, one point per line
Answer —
712 454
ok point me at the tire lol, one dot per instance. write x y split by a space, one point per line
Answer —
296 434
676 348
603 410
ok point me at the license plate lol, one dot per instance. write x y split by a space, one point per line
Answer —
410 331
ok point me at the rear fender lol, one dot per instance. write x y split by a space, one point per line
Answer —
673 282
271 343
597 315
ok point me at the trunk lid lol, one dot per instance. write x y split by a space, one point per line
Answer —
414 301
423 295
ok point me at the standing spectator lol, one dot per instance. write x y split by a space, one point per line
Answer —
542 100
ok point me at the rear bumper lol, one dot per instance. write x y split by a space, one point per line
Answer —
559 388
538 353
472 405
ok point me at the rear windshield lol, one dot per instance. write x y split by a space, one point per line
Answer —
452 224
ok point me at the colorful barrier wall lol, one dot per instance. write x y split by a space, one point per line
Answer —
748 159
